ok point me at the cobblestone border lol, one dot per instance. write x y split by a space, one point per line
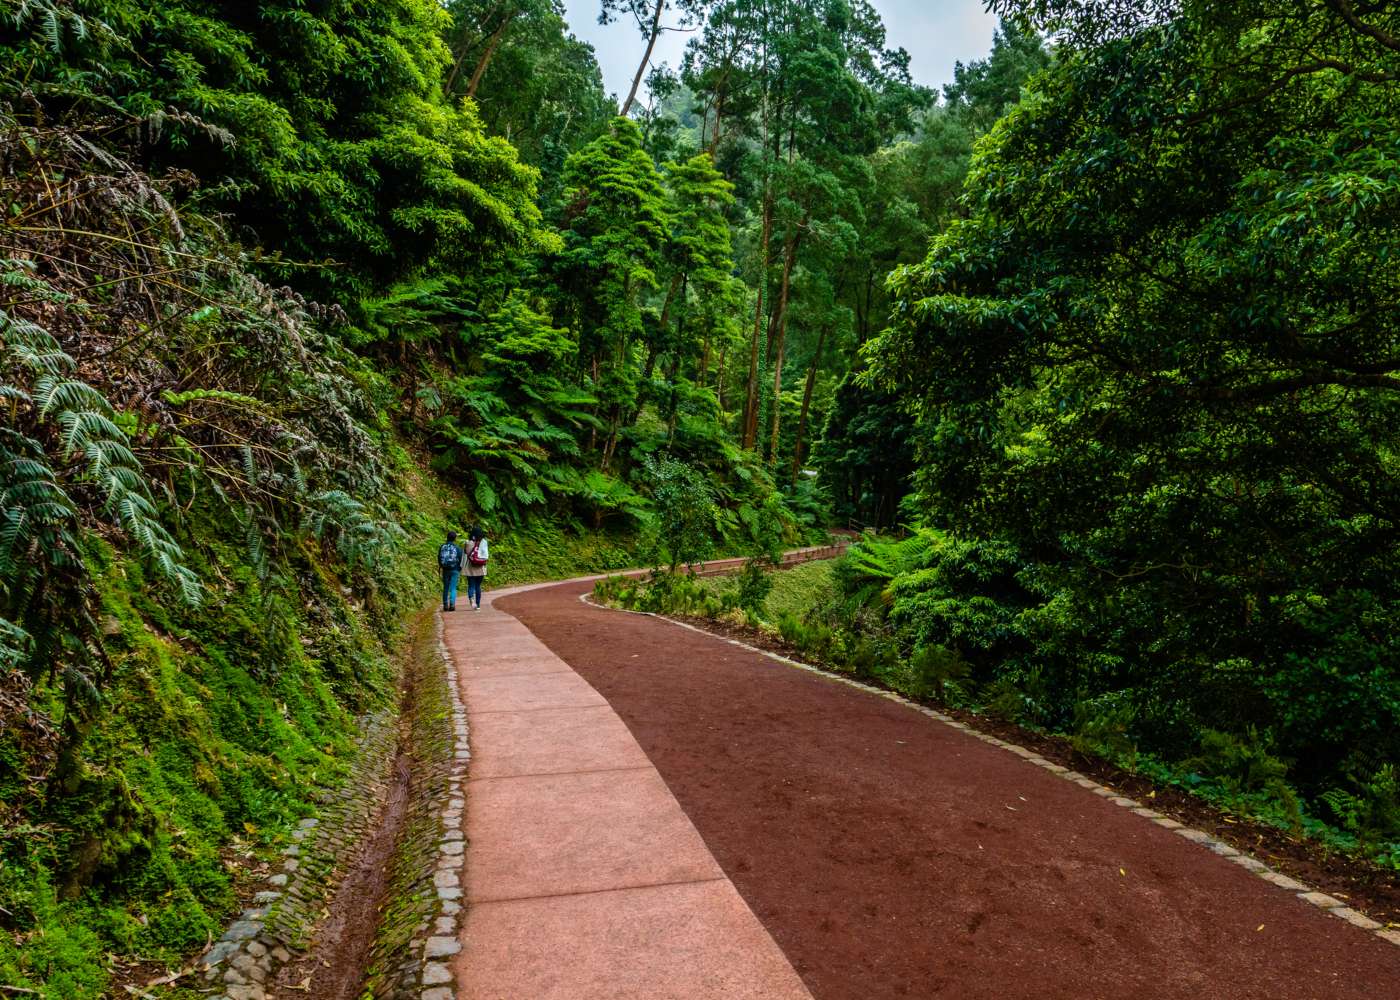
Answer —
412 910
1328 904
258 943
444 941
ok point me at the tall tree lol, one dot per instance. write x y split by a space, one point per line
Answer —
696 273
806 86
536 85
614 224
649 16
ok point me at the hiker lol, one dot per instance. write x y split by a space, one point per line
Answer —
474 564
450 561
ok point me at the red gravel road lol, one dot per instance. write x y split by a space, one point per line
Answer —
892 856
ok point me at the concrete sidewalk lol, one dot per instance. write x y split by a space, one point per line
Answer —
584 877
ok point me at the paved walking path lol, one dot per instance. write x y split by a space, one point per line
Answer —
584 877
888 855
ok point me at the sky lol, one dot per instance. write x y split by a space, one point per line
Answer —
937 34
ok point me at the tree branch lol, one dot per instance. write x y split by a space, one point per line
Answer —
1283 386
1348 14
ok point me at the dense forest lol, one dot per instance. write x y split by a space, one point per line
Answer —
1104 331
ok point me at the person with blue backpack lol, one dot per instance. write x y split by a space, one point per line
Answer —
450 557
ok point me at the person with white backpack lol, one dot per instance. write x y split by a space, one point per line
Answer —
474 565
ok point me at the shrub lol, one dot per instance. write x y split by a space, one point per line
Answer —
934 671
755 584
1245 765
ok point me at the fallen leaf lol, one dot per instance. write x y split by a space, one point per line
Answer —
1152 794
1123 872
1258 929
170 977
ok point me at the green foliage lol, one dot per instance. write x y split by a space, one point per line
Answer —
935 672
39 525
1370 807
664 592
1244 766
1103 726
513 426
799 590
335 112
684 512
753 586
539 85
613 224
1153 370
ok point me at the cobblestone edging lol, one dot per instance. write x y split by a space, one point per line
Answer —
1329 904
418 933
264 936
444 940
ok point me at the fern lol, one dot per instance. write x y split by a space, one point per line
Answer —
84 419
360 538
210 395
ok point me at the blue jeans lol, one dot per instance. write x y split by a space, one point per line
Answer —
449 588
474 589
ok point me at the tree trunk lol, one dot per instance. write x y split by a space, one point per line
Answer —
614 427
485 60
641 70
462 51
789 257
719 377
719 114
654 348
864 325
671 291
750 436
674 410
806 406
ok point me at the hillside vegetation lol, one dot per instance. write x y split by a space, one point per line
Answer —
1102 335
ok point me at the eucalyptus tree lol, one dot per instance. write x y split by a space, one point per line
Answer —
479 27
534 83
697 265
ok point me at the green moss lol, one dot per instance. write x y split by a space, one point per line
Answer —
214 727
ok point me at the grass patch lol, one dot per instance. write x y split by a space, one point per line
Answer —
797 591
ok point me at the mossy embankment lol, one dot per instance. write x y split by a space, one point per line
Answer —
133 825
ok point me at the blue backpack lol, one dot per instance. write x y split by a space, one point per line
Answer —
449 556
